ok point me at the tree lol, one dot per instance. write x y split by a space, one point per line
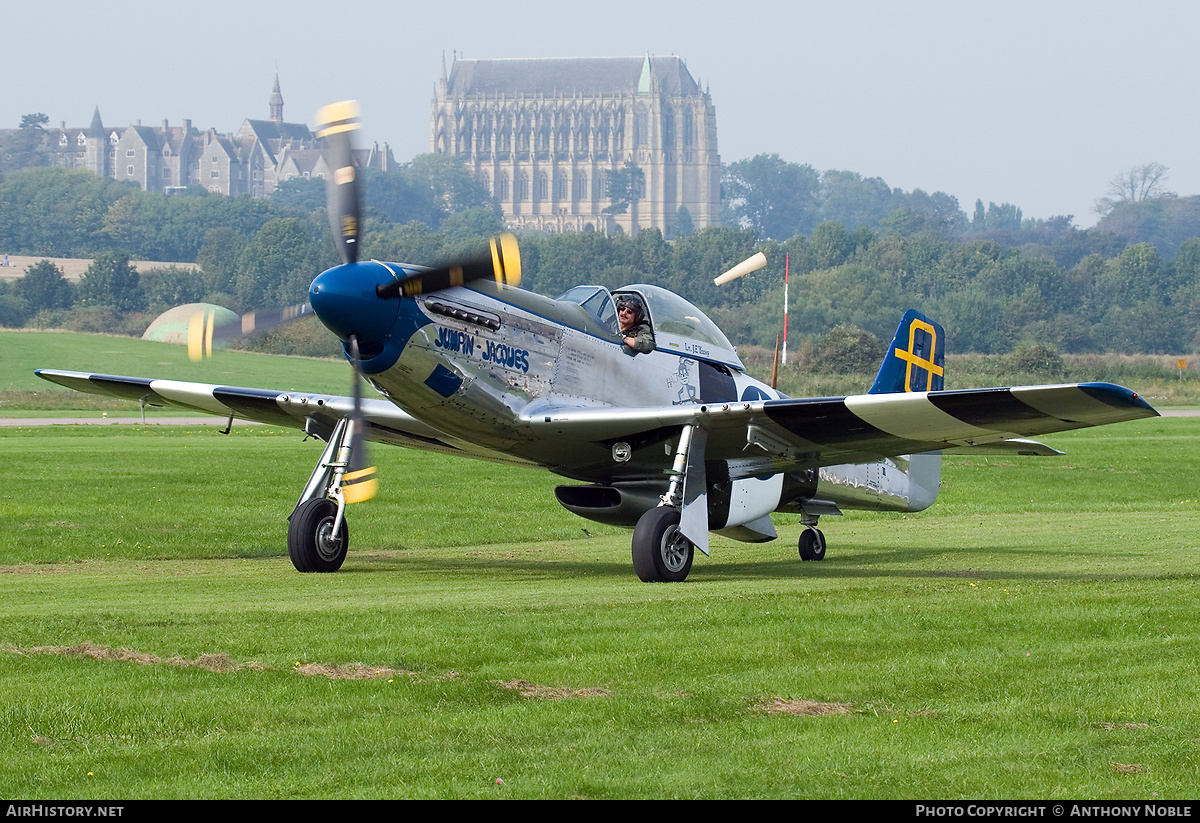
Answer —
111 281
853 200
304 193
170 286
831 245
13 307
623 187
1139 183
683 223
847 349
278 263
472 224
25 147
218 258
1134 275
775 198
45 288
450 181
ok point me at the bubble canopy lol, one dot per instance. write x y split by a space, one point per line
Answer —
679 327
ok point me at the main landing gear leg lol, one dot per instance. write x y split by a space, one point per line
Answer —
317 533
812 539
661 554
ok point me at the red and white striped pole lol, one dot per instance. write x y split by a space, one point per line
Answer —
786 260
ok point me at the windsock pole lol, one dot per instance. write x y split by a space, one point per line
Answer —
786 261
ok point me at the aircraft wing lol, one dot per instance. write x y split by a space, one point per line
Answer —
767 436
316 414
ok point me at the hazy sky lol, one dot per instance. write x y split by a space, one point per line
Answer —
1039 104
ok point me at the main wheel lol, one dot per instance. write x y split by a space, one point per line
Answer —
312 545
661 554
812 544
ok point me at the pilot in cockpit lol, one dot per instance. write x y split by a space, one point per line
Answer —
636 331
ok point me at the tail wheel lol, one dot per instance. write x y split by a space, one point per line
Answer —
661 554
812 544
312 544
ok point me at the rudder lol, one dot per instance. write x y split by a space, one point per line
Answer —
915 361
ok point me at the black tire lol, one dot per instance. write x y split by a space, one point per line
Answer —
661 554
311 543
812 544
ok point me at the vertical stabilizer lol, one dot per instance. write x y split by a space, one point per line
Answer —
915 361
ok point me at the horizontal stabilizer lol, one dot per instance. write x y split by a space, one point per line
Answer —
1013 446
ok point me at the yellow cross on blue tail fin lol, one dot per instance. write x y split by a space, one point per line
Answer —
916 359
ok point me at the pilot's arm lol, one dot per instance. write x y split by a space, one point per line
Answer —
639 339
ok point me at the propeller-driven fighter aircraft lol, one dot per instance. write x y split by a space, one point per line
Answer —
672 439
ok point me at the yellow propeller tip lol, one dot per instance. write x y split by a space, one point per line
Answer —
360 485
338 117
506 260
200 335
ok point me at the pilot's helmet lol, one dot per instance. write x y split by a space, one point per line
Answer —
633 304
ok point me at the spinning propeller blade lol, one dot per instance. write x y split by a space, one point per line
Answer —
335 124
502 263
358 481
204 332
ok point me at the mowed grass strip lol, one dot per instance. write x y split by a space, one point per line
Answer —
23 352
1032 635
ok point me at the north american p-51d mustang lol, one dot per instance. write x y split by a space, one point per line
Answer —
676 442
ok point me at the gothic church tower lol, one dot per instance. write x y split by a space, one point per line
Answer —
546 135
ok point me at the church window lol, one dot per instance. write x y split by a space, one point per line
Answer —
561 187
641 127
543 189
668 128
504 138
689 129
523 187
563 138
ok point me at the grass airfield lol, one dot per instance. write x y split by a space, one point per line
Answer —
1033 635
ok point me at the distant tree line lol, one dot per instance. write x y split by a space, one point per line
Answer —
859 253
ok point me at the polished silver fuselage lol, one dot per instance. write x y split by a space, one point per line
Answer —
485 361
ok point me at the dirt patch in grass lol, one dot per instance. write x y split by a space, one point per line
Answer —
1112 727
94 651
802 708
349 671
534 690
222 663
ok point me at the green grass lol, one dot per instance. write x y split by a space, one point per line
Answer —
1033 635
22 352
